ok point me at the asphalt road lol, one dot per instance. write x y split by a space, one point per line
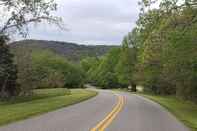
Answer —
136 114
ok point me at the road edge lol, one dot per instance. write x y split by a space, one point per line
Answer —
184 122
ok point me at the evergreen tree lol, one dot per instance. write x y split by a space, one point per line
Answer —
8 71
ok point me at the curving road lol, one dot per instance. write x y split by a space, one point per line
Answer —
131 113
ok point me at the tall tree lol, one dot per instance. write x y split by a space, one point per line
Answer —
16 15
125 68
20 13
7 71
166 55
23 60
102 72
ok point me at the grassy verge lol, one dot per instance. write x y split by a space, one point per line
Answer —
43 101
183 110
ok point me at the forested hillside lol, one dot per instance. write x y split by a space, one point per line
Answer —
71 51
50 64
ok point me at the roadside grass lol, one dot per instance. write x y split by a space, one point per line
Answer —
37 94
184 110
44 100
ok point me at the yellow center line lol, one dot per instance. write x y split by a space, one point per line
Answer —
107 117
111 116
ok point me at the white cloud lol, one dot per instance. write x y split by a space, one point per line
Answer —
91 21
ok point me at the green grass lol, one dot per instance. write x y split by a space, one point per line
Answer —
44 100
183 110
38 94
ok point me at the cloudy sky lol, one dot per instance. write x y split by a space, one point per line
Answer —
91 21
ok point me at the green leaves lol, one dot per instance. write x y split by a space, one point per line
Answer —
23 12
8 71
167 49
101 71
48 64
115 69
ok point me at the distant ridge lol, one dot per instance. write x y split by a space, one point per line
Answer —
71 51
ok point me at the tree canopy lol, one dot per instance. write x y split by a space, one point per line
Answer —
160 53
166 39
17 14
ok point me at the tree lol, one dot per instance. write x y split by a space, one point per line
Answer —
23 12
103 72
19 14
25 70
7 71
48 66
166 55
125 68
91 74
87 65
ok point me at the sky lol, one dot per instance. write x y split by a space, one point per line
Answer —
91 22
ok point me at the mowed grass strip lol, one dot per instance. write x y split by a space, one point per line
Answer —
43 101
183 110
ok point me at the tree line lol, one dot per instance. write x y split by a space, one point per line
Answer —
160 53
116 69
38 68
15 73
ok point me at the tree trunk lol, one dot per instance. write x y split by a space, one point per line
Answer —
134 87
3 93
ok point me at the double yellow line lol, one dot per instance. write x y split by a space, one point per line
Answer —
111 116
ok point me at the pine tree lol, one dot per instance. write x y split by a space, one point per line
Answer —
8 71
